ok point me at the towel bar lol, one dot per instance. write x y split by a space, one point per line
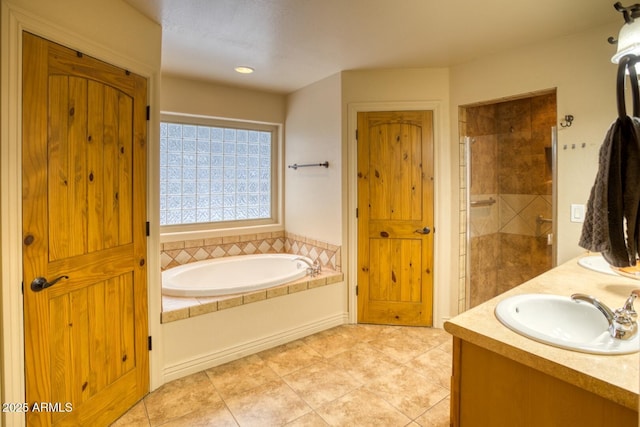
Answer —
296 166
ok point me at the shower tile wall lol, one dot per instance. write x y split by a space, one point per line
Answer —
511 164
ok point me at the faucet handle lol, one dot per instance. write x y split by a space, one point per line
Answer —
626 318
628 305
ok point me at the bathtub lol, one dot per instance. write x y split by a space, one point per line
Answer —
232 275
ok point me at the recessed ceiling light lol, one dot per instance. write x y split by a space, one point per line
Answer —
244 70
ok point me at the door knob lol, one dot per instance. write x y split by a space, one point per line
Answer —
425 230
40 283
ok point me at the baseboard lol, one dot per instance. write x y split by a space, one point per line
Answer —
219 357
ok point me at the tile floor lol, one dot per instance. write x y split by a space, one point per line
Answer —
351 375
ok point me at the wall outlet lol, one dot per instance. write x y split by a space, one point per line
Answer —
577 213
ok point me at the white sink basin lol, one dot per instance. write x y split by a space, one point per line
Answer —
561 322
596 263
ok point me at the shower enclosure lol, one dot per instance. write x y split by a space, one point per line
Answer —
509 192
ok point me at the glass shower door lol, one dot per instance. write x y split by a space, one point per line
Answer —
510 193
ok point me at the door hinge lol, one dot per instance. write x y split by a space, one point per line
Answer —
356 134
149 344
22 286
356 290
148 112
147 228
356 212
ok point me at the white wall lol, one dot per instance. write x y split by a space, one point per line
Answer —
371 90
313 200
111 31
186 96
579 67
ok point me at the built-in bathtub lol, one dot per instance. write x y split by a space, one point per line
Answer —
200 332
232 275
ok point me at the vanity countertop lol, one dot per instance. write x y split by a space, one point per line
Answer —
616 378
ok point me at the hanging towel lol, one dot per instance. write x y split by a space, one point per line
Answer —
595 229
630 188
611 223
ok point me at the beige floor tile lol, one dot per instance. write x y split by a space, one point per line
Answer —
400 346
407 391
365 333
330 342
432 337
447 346
353 375
240 375
308 420
215 415
437 416
436 374
321 383
364 363
436 356
271 404
290 357
135 417
362 408
180 397
434 365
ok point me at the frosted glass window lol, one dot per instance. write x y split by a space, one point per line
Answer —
214 173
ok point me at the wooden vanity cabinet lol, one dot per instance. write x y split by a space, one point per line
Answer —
488 389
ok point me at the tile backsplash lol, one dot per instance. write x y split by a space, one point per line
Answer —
181 252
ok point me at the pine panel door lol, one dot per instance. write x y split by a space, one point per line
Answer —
84 236
395 218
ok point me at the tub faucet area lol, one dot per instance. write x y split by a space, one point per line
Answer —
314 268
623 322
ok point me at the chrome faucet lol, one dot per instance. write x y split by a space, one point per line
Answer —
623 322
314 268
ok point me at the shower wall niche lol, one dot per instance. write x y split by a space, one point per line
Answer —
508 194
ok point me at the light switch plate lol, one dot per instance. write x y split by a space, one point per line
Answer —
577 213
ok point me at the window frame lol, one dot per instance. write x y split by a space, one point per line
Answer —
222 228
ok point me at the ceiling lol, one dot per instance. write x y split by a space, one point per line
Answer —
292 43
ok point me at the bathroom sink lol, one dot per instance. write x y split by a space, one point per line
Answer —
599 264
596 263
561 322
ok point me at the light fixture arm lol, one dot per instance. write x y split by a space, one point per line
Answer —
629 37
629 13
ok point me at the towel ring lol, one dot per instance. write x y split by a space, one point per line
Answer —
628 62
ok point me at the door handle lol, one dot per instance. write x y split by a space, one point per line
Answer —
40 283
425 230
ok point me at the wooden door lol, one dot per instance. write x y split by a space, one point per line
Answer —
395 218
84 183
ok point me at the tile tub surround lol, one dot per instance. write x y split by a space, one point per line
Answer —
178 308
182 252
360 375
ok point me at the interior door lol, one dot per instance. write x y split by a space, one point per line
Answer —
84 236
395 218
